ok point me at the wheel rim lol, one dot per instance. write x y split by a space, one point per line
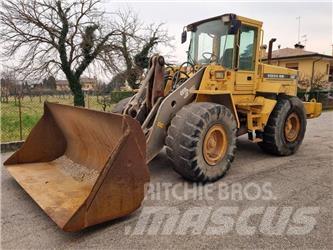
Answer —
292 127
215 144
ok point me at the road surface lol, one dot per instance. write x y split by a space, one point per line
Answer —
301 181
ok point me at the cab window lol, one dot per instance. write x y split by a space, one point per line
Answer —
247 47
227 47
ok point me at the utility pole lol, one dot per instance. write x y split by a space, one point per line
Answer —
299 29
304 39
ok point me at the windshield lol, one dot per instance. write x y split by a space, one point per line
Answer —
210 42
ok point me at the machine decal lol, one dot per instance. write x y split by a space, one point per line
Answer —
279 76
184 92
160 124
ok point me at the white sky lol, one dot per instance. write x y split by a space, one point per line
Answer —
279 19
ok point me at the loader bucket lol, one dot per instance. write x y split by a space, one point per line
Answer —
82 167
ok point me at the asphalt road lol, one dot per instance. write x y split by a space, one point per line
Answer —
300 181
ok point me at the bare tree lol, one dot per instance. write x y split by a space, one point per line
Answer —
49 83
129 53
312 83
319 81
8 83
54 35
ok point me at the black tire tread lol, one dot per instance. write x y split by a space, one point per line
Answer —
272 133
184 136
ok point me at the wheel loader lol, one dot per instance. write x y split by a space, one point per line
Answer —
84 167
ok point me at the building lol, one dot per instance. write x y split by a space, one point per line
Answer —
62 85
88 84
311 66
10 86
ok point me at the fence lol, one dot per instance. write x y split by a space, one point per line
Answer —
20 114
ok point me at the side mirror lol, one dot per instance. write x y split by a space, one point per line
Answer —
234 26
263 47
184 36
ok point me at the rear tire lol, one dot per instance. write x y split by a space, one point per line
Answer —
120 106
201 141
286 127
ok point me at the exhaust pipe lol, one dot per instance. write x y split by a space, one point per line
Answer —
270 49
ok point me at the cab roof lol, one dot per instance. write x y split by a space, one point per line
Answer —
242 19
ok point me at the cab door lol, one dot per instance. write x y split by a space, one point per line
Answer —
245 74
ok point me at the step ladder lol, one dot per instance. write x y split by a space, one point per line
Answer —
253 112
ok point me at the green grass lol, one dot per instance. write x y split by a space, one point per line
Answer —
32 110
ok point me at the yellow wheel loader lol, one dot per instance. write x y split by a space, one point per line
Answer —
84 167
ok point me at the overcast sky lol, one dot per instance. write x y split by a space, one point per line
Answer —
279 19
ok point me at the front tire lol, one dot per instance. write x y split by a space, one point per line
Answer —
286 127
201 141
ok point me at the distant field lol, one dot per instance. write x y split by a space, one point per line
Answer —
31 111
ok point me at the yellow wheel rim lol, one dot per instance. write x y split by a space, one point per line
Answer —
215 144
292 127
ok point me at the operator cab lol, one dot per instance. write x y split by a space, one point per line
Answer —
227 40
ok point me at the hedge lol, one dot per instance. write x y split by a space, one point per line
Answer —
325 97
117 96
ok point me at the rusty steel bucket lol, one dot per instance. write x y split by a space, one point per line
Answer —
82 167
